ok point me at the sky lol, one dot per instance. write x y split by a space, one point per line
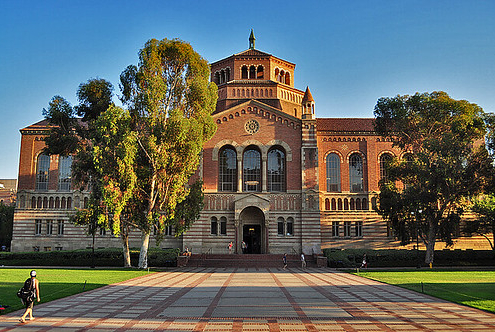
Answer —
349 53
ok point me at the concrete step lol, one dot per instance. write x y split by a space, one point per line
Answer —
248 260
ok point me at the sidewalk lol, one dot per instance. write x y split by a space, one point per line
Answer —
230 299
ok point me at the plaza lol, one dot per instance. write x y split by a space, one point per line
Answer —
251 299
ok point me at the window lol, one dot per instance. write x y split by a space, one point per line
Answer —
290 226
333 173
60 227
244 73
260 75
37 227
42 172
384 160
49 227
223 226
359 228
168 230
227 170
214 226
347 228
252 72
280 226
252 170
64 173
356 173
276 170
103 231
335 228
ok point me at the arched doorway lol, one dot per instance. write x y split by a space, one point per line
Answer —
252 230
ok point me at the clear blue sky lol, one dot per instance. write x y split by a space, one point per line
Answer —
350 53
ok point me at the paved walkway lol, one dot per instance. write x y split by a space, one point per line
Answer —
208 299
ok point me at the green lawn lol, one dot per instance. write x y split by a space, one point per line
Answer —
473 288
58 283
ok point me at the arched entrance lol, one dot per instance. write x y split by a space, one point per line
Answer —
252 230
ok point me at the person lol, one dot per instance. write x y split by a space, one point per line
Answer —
186 252
285 261
364 264
244 247
32 284
230 247
303 261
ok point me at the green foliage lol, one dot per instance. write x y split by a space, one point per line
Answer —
352 258
6 224
94 97
484 206
425 193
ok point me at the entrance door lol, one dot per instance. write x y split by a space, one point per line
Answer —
251 234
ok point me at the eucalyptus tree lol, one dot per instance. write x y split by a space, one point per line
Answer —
170 100
445 163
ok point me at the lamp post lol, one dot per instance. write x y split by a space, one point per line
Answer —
417 239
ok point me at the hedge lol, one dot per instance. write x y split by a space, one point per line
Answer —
112 257
352 258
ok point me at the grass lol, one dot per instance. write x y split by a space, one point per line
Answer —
472 288
58 283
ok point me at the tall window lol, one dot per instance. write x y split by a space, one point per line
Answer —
244 72
384 160
356 173
42 171
251 171
223 226
227 178
37 227
276 170
60 227
290 226
359 228
64 173
49 227
280 226
347 228
214 226
335 228
333 173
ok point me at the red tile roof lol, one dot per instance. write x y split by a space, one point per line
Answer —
345 124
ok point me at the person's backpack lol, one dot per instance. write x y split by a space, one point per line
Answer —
27 292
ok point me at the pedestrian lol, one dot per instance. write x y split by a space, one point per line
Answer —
31 284
303 261
230 247
244 247
364 264
285 261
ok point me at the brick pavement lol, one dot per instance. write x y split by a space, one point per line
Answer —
245 299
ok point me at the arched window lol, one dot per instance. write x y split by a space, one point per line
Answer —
327 204
384 160
251 170
64 173
214 226
69 203
358 204
356 173
364 204
62 203
333 173
276 170
42 172
227 165
290 226
339 203
217 78
57 203
334 204
280 226
244 72
252 72
281 76
287 78
352 205
259 73
277 73
346 204
227 75
222 76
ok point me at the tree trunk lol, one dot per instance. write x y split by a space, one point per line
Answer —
143 253
430 244
125 249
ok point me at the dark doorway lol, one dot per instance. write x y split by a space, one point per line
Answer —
251 234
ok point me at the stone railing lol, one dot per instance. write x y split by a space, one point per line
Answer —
51 200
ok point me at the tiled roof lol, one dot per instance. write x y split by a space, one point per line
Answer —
345 124
40 125
253 53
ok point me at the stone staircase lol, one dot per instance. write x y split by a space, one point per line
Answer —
247 260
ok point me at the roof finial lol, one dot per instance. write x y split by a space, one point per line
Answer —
251 40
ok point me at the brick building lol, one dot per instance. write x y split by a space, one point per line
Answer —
275 176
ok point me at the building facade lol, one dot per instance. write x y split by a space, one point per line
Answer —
275 176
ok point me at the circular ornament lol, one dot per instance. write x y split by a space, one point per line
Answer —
252 126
